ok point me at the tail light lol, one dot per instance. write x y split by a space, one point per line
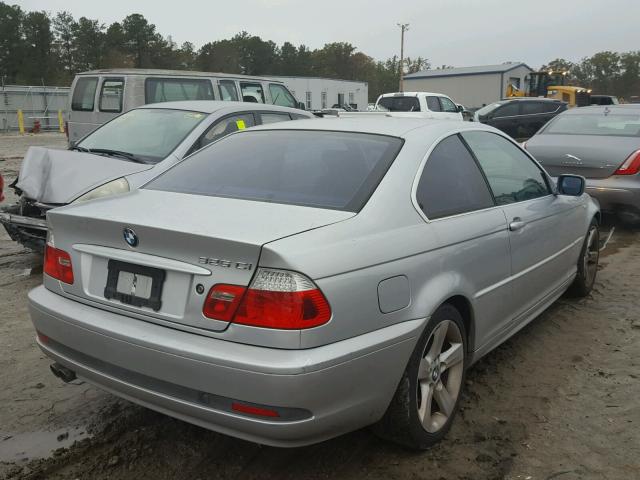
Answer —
57 263
631 165
275 299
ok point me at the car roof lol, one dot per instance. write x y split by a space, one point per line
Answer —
629 108
536 99
211 106
175 73
383 125
410 94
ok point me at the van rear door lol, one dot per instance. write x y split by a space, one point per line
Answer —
82 117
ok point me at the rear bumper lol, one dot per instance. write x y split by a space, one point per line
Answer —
620 195
321 392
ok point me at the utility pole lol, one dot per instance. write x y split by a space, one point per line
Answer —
403 27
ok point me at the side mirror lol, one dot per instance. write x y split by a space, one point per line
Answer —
301 106
572 185
460 108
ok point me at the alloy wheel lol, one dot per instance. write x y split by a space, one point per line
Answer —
440 376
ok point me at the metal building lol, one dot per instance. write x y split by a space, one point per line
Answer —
472 87
318 93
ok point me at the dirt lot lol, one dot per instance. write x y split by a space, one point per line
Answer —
557 401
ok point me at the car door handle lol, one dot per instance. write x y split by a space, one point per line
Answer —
516 224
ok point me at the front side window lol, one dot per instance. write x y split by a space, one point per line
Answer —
400 103
266 118
145 134
111 95
84 94
512 175
252 92
433 104
177 89
451 182
281 96
448 105
224 127
228 91
323 169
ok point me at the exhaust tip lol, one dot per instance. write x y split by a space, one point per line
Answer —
63 373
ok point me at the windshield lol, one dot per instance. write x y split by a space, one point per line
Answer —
324 169
489 108
400 104
618 125
148 134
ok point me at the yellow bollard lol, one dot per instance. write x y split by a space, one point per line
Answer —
21 122
60 122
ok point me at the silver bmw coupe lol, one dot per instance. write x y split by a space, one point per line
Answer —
297 281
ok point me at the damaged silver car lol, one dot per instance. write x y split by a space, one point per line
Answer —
123 155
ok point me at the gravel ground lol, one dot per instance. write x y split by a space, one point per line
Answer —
557 401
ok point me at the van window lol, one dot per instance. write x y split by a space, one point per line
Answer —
84 94
111 95
176 89
252 92
228 91
281 96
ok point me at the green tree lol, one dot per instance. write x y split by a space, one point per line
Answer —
115 54
11 42
139 37
39 62
64 29
628 83
88 44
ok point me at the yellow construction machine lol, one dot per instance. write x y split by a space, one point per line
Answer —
551 84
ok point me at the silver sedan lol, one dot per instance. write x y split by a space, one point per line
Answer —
297 281
603 145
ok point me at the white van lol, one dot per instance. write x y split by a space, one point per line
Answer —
100 95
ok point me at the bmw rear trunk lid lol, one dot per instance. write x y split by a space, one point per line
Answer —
155 253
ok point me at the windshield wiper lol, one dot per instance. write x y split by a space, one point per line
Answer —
80 149
117 153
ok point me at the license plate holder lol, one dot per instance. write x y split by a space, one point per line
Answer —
123 275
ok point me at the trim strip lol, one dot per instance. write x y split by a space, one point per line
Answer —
527 270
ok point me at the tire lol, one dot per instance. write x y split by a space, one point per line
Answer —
407 421
587 263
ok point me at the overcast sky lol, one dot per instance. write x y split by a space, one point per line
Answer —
453 32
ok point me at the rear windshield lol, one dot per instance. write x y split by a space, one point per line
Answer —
334 170
148 134
400 104
595 124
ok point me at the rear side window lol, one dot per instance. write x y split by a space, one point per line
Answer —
111 95
177 89
532 108
224 127
433 104
451 182
274 117
228 91
281 96
512 175
550 107
324 169
84 94
252 92
508 110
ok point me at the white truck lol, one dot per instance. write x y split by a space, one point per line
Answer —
414 104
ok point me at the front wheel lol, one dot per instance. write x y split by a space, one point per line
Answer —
587 263
427 397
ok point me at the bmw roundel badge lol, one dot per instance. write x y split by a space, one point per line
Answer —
130 237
